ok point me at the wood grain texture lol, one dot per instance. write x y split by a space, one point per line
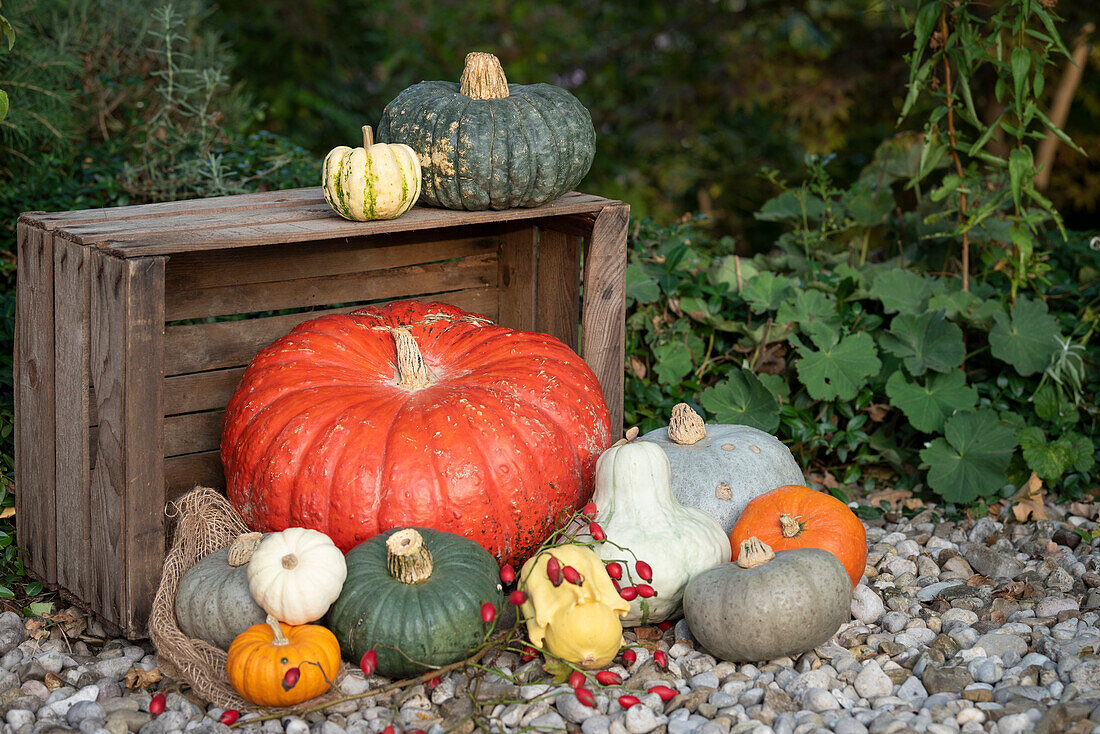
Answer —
558 303
198 347
184 473
34 402
478 271
516 278
198 270
127 489
72 316
292 217
603 315
144 435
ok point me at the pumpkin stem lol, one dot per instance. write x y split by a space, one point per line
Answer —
792 526
483 77
412 373
243 547
368 136
290 561
754 552
685 427
406 557
279 638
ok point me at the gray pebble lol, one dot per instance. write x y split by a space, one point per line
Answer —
82 710
642 719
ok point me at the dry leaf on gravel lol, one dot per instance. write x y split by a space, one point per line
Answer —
978 580
1015 590
647 634
1089 510
53 681
892 497
137 678
1028 501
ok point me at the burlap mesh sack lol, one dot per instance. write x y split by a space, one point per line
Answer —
205 522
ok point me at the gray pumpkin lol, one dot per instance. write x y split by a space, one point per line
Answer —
790 602
488 144
720 468
213 602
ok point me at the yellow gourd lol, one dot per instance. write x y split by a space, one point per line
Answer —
578 622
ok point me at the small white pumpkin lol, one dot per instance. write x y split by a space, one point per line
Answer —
296 575
637 512
377 181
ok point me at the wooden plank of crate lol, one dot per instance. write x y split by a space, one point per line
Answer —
197 270
196 347
558 302
72 319
183 434
34 402
470 272
184 473
188 393
516 278
235 202
219 232
603 316
127 490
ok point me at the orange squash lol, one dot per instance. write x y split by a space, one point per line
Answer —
793 516
261 656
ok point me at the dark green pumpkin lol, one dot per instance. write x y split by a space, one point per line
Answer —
487 144
435 621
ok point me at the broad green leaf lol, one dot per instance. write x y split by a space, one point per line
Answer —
922 29
673 362
839 370
1051 459
1048 460
792 205
778 386
901 290
868 205
640 287
3 104
807 305
742 398
927 406
1081 451
724 270
970 461
916 84
1051 404
925 341
1021 169
1026 340
40 608
965 305
766 291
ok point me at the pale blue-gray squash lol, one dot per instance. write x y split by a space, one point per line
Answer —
725 469
212 601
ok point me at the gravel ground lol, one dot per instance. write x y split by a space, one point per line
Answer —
956 627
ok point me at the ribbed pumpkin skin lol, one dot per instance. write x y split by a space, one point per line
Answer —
363 184
256 666
829 525
319 435
519 151
213 602
437 621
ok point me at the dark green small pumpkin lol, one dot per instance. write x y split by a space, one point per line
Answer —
414 596
488 144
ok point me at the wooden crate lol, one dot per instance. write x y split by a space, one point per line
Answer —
122 375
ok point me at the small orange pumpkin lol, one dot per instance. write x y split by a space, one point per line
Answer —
793 516
260 657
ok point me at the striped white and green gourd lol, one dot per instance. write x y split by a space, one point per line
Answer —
377 181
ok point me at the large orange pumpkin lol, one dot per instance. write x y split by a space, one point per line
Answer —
793 516
414 414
